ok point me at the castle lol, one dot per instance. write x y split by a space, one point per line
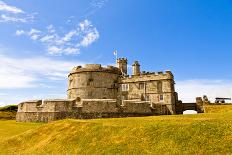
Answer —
95 91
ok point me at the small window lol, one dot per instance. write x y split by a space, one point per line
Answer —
141 86
159 86
125 87
147 98
161 98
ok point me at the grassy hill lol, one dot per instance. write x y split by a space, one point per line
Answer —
8 112
209 133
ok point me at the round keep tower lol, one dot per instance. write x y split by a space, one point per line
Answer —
93 82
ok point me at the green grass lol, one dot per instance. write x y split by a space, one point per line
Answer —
209 133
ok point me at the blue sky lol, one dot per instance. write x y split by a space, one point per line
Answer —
41 41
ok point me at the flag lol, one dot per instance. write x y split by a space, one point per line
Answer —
115 52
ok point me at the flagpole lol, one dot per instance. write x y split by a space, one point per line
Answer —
116 56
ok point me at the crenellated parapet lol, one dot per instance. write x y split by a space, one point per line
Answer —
122 65
95 68
149 76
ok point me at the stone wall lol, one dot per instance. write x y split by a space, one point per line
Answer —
157 88
50 110
93 82
97 92
99 105
131 106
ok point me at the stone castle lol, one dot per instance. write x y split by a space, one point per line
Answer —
95 91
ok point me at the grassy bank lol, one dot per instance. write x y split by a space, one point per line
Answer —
190 134
218 108
8 112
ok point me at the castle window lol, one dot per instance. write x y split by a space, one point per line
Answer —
159 86
125 87
161 98
141 86
147 98
90 82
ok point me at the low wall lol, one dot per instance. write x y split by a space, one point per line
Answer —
99 105
50 110
131 106
160 109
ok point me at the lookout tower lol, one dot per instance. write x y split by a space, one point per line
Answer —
122 65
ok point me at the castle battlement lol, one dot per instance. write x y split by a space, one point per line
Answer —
95 68
167 75
122 59
97 91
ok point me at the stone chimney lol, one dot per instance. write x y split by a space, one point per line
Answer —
136 68
122 65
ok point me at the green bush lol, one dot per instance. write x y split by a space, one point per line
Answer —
12 108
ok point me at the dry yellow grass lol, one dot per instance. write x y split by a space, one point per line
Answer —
190 134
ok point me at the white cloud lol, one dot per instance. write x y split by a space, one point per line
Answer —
9 8
47 38
19 32
84 24
34 34
69 35
89 38
188 90
7 18
35 37
70 50
33 31
12 14
51 29
68 43
7 98
28 72
54 50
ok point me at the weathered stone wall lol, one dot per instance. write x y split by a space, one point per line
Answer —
160 109
99 105
155 87
131 106
122 65
30 106
52 110
96 92
93 82
57 105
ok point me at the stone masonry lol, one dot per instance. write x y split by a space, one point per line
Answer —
95 91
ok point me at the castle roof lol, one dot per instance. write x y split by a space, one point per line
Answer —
95 68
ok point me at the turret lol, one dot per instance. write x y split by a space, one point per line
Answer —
136 68
122 65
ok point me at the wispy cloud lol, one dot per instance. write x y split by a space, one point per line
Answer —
9 13
6 99
28 72
94 6
188 90
9 8
68 43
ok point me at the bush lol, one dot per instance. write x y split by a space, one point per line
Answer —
12 108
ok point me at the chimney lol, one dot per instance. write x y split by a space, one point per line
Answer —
136 68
